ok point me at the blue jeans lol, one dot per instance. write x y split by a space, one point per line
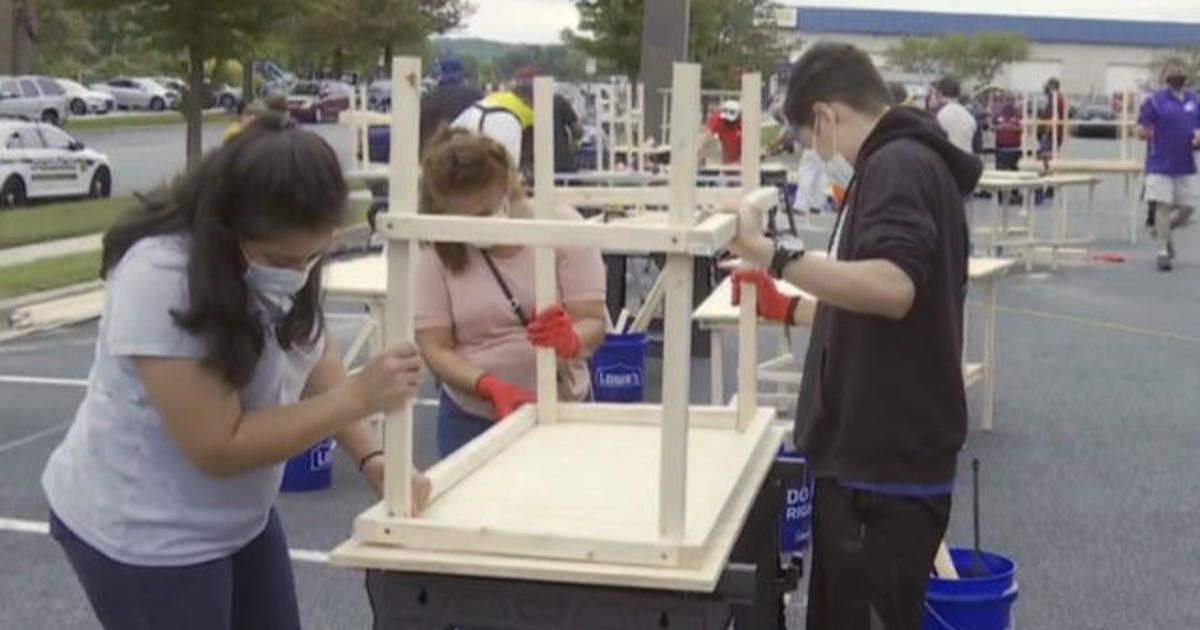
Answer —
455 426
253 589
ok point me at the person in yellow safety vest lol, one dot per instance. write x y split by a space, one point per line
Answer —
507 118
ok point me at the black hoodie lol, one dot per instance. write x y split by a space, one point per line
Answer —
882 400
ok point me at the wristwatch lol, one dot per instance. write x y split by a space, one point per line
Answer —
787 250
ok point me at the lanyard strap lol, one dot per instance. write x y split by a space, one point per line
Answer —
512 301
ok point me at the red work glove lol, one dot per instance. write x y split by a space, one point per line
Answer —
554 328
772 304
505 397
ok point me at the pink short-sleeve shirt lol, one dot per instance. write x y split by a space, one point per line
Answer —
487 333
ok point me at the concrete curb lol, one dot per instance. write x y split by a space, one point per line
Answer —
10 304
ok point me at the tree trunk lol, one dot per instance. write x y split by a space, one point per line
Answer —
339 60
247 80
191 105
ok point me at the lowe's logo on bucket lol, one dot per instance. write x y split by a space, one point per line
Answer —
319 456
618 375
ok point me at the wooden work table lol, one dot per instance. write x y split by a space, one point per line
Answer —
717 315
1002 235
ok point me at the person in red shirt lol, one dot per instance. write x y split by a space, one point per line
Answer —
725 124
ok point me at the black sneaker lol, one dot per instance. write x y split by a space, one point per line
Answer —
1164 262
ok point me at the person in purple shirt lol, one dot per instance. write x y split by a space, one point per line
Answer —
1170 121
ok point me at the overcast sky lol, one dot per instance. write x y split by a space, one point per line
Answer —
540 21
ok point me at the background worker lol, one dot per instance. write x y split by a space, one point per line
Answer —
882 412
955 119
1170 120
476 322
447 100
724 125
1050 134
213 367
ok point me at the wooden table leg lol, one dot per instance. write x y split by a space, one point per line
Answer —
716 363
1031 227
1132 205
989 351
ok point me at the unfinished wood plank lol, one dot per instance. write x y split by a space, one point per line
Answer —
398 320
543 257
751 98
677 338
699 416
642 236
651 306
747 384
531 544
357 553
467 459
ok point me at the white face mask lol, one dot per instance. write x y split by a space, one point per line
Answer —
837 168
277 286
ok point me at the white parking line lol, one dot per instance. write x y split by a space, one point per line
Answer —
9 379
8 446
41 527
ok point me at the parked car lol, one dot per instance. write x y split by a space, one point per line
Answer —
227 96
81 100
319 101
33 98
379 95
39 160
171 83
1101 119
131 93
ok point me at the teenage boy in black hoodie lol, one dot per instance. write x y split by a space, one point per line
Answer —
882 414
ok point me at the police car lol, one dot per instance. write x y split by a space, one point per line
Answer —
38 160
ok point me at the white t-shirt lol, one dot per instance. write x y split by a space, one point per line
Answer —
501 126
119 481
959 125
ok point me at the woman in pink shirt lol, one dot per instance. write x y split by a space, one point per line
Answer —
477 342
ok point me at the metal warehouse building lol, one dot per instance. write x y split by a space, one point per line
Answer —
1088 55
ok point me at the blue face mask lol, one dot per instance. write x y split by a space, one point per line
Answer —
277 285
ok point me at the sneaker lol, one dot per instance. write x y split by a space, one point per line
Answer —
1164 261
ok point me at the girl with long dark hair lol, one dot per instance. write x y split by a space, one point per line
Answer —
213 366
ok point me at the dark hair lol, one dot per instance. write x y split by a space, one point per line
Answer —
457 161
1052 83
269 179
830 72
949 87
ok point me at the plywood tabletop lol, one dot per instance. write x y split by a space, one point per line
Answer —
703 578
365 276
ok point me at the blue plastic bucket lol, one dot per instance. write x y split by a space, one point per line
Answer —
972 603
310 470
619 368
795 520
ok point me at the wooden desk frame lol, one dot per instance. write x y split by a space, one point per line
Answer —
688 527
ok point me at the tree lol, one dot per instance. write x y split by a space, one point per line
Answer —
64 41
915 54
337 34
202 30
615 29
978 57
727 37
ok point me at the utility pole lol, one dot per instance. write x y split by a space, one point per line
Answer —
664 42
